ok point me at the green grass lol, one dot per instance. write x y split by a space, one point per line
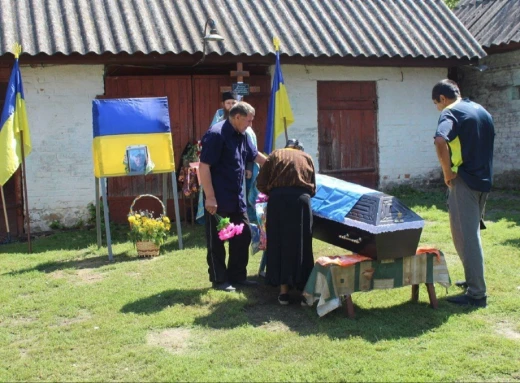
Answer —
67 314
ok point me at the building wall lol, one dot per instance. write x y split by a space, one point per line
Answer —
498 90
406 116
60 179
59 101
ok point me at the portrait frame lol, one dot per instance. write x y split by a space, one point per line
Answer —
137 157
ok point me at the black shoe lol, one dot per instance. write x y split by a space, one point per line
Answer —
224 286
283 299
246 283
464 300
461 284
305 302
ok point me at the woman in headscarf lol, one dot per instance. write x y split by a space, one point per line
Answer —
289 179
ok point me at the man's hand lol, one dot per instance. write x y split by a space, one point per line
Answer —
211 205
449 177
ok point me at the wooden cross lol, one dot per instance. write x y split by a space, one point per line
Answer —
240 73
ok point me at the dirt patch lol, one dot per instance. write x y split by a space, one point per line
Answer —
81 276
58 274
506 329
275 326
82 316
22 321
89 276
174 340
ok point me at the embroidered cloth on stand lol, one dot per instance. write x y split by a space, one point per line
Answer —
327 284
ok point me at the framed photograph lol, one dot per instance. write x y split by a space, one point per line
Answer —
137 156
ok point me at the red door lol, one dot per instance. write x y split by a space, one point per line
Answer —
206 95
192 102
13 187
347 131
122 190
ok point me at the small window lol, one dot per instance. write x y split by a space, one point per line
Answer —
515 92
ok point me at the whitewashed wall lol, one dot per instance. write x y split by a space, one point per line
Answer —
60 179
59 102
406 119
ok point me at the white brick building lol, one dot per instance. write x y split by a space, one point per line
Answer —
389 53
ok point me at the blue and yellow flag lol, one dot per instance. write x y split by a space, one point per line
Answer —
279 106
120 123
13 123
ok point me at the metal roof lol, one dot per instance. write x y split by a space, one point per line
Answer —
493 22
307 28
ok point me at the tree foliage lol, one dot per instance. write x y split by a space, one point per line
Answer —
451 3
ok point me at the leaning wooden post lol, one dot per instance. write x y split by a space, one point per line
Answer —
285 129
176 207
4 206
26 200
98 216
105 213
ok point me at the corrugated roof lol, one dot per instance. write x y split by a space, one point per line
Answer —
341 28
493 22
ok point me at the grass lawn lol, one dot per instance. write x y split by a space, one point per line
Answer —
67 314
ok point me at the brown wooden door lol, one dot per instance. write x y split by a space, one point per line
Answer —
347 131
122 190
14 205
178 91
206 96
192 102
13 187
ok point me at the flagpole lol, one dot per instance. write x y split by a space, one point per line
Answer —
26 201
285 129
5 214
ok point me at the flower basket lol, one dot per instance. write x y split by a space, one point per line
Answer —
147 249
147 232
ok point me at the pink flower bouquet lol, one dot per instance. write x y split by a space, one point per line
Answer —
226 229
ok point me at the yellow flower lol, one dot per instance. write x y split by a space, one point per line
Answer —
144 227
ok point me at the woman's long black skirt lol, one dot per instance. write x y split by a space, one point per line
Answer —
289 237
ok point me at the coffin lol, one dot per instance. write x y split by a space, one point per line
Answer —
364 221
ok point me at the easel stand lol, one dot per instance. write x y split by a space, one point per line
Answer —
102 183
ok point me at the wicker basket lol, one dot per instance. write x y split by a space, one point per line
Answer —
147 248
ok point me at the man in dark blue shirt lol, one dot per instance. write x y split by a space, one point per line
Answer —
225 151
464 144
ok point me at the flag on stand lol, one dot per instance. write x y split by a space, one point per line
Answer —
279 115
13 123
124 122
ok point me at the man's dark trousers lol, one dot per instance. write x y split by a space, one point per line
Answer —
236 271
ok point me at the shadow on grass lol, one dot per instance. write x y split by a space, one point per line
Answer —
158 302
192 237
512 242
261 309
79 239
71 239
76 264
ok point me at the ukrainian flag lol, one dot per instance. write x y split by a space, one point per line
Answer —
119 123
279 106
13 123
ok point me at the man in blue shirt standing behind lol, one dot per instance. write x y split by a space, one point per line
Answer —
464 144
225 151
